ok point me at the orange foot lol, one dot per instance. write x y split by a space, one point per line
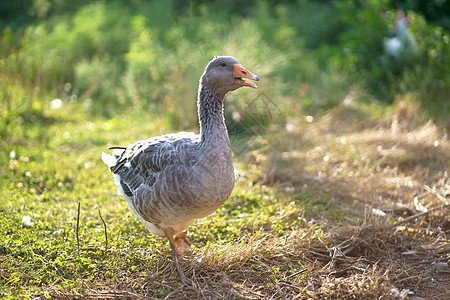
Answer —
176 255
181 241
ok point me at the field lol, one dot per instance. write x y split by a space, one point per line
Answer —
342 187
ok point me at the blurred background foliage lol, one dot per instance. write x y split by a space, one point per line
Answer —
111 57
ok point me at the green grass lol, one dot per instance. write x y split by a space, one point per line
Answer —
49 169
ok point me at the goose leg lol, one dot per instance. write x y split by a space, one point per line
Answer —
182 242
176 255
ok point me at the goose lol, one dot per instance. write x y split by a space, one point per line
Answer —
171 180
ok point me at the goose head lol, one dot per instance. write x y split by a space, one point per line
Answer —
224 74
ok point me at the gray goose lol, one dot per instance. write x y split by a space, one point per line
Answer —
171 180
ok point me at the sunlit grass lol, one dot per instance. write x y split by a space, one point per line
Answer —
308 178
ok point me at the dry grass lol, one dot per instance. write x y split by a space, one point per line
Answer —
393 171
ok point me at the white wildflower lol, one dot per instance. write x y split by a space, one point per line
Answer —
26 220
56 104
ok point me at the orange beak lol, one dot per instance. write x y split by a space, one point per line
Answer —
240 73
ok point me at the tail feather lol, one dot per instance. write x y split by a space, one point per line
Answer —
109 160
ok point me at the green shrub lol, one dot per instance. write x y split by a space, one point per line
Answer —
149 55
423 69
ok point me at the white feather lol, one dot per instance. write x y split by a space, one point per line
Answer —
118 152
109 160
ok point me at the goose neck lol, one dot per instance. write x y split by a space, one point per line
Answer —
211 119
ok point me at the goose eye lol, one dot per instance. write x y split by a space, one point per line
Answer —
223 64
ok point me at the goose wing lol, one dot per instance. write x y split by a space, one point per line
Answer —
142 162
